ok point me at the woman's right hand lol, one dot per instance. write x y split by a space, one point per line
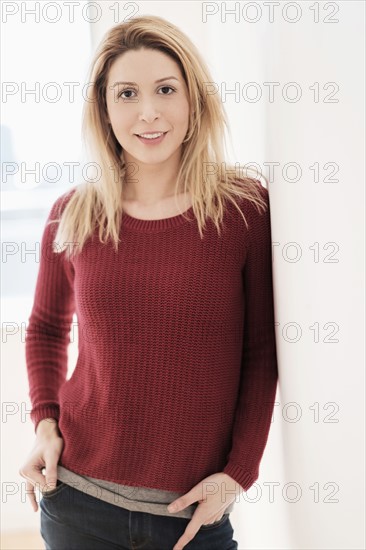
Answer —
45 454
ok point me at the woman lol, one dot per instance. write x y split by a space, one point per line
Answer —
166 259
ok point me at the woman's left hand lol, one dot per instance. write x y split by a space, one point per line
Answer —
214 494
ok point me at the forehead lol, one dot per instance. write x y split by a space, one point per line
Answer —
143 65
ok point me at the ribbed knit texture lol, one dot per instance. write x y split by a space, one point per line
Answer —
177 371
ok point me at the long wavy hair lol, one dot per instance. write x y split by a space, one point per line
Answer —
203 172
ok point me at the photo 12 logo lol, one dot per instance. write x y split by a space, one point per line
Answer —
270 12
54 12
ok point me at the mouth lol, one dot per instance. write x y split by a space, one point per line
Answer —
151 137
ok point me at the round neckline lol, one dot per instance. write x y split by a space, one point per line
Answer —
157 225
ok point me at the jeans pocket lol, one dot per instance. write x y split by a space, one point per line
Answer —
215 524
60 485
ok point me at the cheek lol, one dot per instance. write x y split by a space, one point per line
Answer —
121 120
179 116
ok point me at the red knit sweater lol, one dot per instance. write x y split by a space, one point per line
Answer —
176 373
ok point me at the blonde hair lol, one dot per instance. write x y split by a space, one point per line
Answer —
100 202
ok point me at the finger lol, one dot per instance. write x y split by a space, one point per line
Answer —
51 473
190 532
185 500
29 491
34 476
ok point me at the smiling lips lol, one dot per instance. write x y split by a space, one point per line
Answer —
151 137
148 135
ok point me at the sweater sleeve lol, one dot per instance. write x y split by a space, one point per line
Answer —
259 375
49 324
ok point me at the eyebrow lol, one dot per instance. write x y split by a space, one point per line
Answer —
135 84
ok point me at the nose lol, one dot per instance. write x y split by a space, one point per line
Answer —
148 111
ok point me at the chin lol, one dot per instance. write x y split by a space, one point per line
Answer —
152 157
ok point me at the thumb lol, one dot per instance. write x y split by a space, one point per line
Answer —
50 474
185 500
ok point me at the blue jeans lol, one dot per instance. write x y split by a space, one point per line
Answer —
74 520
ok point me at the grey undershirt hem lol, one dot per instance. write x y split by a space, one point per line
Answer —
135 499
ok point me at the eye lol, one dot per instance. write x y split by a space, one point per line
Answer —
169 87
128 90
123 92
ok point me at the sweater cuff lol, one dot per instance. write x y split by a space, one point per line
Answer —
245 478
44 411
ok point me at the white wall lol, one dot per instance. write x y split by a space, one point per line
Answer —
324 455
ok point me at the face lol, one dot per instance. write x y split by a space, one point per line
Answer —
147 93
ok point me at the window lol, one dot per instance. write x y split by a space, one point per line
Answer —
45 65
